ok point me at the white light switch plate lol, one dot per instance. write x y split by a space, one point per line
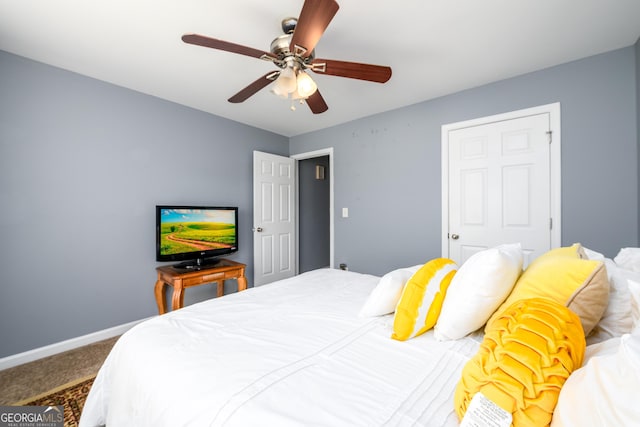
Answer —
345 212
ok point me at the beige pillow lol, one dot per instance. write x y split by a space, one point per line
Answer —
562 276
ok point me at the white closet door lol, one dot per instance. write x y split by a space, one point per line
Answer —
500 187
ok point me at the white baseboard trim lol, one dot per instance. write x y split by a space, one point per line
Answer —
59 347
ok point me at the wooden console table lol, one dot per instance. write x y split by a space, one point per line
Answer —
180 279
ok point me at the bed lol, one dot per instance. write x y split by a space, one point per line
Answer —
298 352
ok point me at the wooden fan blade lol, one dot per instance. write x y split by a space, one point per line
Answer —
352 70
316 103
254 87
205 41
313 20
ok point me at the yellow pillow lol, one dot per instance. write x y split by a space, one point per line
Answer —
573 251
422 297
523 361
562 276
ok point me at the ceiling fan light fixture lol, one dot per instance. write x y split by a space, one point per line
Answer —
296 96
279 94
285 83
305 85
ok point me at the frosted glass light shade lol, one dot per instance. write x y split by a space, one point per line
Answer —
306 85
285 83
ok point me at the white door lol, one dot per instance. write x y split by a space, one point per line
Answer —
273 217
500 187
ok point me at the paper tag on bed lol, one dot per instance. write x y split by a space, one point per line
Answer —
482 412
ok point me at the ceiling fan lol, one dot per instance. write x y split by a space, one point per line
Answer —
294 53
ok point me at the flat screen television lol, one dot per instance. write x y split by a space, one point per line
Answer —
195 235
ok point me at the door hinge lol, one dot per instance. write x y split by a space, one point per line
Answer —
550 223
550 136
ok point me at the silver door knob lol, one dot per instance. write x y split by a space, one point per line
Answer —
259 229
455 236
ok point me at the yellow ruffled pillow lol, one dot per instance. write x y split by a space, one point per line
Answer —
526 356
422 297
563 276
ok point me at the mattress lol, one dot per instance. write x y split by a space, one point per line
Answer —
289 353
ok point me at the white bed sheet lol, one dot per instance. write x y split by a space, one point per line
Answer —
289 353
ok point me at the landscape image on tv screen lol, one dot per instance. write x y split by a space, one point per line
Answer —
190 230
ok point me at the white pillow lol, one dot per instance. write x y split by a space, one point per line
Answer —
629 259
481 284
604 392
616 319
593 255
385 296
634 288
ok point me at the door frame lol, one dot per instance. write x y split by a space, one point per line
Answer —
310 155
554 165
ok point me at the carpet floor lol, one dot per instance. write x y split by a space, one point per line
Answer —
49 373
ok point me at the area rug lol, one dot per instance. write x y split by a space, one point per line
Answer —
71 395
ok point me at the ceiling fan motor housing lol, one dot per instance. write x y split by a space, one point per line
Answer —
280 48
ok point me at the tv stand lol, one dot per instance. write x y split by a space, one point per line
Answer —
181 278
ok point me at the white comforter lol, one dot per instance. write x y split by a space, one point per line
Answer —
291 353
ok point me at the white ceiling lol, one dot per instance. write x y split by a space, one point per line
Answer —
435 47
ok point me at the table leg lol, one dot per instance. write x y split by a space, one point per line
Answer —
160 300
177 301
242 282
220 288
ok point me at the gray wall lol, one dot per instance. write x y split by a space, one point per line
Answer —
637 49
82 165
313 221
387 167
